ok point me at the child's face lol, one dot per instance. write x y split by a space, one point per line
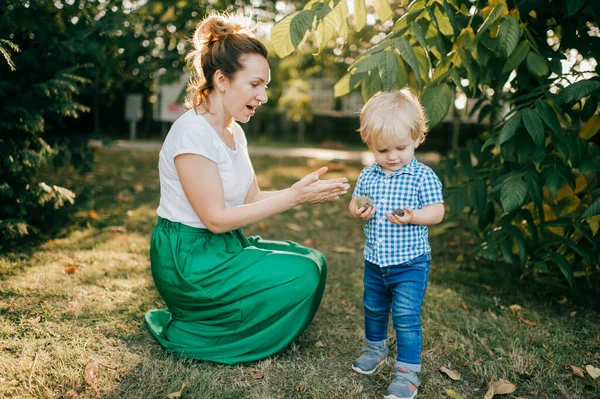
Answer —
394 156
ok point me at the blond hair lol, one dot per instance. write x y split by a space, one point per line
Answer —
388 116
220 41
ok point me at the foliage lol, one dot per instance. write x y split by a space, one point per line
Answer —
529 182
38 88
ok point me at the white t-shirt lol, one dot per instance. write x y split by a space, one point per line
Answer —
192 134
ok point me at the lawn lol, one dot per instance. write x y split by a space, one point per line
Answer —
71 309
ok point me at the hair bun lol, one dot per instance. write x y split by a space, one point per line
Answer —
218 27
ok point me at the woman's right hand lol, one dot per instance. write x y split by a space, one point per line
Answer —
365 213
310 189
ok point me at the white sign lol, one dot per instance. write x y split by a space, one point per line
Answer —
170 100
133 107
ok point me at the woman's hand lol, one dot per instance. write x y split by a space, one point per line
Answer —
365 213
310 189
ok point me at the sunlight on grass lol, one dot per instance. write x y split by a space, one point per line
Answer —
81 298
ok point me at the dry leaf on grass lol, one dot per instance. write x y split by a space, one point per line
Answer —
294 227
264 226
594 372
301 215
319 344
71 394
70 270
91 372
318 224
493 315
177 394
577 371
32 320
344 250
450 373
454 394
515 307
93 214
255 373
500 387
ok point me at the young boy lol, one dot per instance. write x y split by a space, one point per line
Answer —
397 252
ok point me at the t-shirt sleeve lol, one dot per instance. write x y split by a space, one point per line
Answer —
430 191
194 140
360 184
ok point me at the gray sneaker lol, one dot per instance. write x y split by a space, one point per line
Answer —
372 359
404 385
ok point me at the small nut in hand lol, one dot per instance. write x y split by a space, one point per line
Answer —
398 212
363 201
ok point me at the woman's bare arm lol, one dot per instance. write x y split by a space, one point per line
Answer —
203 188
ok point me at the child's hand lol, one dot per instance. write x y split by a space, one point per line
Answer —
365 213
405 219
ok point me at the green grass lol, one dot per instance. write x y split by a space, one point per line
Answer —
53 324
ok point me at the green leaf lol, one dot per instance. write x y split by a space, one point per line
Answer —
510 128
478 196
535 127
321 10
537 65
346 84
574 5
506 248
436 101
457 199
513 193
489 21
517 57
548 116
565 267
281 36
368 63
589 109
450 13
443 22
325 31
300 25
508 36
519 238
535 187
388 70
593 209
383 9
360 14
418 32
370 85
553 180
472 68
566 175
408 55
578 90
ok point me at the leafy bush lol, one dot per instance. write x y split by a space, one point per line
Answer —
528 184
38 86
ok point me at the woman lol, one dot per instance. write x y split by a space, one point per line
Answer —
230 298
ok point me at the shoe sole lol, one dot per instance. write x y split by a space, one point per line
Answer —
396 397
370 372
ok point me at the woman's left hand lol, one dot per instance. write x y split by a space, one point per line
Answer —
405 219
310 189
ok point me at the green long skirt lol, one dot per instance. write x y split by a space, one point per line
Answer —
230 298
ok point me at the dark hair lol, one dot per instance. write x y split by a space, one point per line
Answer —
220 41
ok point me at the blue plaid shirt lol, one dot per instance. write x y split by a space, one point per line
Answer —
413 186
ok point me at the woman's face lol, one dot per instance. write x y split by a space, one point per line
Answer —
248 88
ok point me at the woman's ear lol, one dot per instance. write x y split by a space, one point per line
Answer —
219 80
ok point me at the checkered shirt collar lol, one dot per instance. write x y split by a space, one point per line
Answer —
409 168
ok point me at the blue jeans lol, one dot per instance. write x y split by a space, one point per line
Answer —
400 288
